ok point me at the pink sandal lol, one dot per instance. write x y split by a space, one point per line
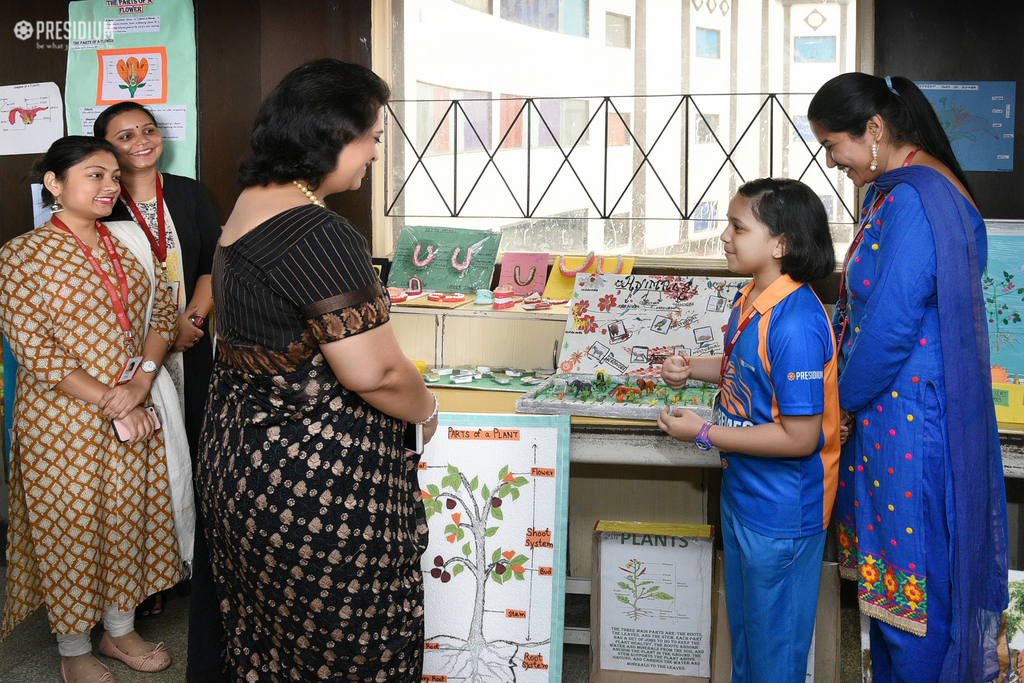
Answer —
156 659
105 678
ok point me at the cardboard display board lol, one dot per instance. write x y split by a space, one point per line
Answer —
562 278
651 602
495 492
445 259
629 324
526 272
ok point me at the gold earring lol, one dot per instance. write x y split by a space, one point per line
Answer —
874 157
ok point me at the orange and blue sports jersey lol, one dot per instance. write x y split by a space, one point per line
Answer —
784 363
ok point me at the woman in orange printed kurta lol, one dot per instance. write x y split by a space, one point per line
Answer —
91 521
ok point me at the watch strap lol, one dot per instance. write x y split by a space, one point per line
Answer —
702 435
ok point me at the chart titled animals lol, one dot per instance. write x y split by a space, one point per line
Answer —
629 324
495 490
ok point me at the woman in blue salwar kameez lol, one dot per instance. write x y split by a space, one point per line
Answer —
921 505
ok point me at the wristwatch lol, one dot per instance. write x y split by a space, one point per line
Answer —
702 440
197 320
148 366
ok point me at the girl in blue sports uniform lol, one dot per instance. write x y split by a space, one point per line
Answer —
776 423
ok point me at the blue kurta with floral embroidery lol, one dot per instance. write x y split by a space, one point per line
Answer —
891 377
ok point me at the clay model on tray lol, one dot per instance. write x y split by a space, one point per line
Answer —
618 396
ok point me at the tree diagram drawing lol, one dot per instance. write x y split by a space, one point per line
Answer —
495 491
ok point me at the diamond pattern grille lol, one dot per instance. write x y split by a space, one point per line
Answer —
518 173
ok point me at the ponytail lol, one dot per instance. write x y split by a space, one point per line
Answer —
845 103
928 133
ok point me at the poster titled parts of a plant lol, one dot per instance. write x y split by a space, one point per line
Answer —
653 612
495 493
629 324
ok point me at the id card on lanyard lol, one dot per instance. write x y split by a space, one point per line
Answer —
118 296
716 410
158 242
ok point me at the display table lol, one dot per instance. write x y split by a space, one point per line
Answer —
640 442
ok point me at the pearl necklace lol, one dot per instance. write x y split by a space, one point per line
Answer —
309 194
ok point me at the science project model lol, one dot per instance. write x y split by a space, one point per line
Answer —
620 330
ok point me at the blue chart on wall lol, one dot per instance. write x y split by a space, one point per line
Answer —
1003 289
978 119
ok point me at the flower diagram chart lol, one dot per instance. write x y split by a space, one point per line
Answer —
31 117
495 493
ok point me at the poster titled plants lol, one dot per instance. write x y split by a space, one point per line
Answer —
495 492
655 598
629 324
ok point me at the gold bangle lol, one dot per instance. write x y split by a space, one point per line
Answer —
432 414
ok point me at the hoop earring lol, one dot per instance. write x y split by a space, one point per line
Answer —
56 207
874 157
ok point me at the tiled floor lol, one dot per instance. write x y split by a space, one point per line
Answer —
30 655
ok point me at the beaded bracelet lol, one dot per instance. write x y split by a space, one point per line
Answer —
434 413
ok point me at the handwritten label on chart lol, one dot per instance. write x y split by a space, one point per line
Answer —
542 472
538 538
515 613
483 434
533 661
431 646
545 571
434 679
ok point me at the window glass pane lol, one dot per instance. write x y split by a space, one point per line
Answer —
537 13
706 125
512 116
548 125
665 131
707 43
482 5
802 130
432 119
575 116
568 228
827 200
814 49
616 30
617 125
616 231
574 17
703 218
476 120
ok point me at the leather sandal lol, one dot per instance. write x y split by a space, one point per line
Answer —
156 659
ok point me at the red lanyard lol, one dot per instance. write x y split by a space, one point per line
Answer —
853 247
732 342
122 279
159 243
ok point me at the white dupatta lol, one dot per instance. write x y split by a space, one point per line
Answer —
165 400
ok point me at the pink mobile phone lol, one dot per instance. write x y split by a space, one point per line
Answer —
122 432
